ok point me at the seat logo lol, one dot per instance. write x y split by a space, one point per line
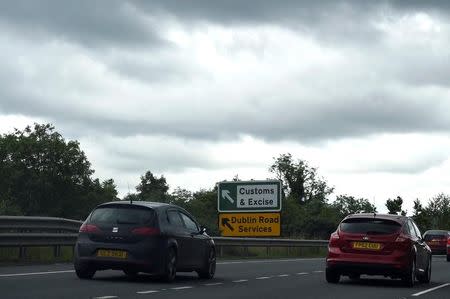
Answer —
365 238
115 229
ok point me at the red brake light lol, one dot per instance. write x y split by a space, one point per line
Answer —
448 241
334 240
145 231
89 228
401 238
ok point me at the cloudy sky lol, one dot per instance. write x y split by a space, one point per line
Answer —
203 90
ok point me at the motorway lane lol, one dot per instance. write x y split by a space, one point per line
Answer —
289 278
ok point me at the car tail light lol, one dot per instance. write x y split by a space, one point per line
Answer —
402 241
89 228
448 241
401 238
334 240
146 231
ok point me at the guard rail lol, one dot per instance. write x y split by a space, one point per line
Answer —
23 232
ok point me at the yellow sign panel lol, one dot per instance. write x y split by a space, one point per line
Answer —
249 224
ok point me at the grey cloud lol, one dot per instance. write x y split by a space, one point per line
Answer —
329 21
269 112
417 166
90 23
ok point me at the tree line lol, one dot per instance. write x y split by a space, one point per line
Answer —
42 174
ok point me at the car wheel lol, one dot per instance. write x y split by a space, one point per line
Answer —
410 276
209 268
448 257
84 271
170 267
426 277
332 276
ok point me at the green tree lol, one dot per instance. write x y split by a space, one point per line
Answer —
420 216
394 206
438 212
43 174
152 188
300 181
346 205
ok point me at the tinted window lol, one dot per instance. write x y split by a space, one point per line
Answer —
174 218
190 224
369 226
418 234
123 215
437 235
410 230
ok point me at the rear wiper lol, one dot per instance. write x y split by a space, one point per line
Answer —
125 222
373 232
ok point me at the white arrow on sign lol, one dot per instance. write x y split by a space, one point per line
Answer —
226 195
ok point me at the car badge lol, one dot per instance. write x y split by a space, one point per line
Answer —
365 238
115 229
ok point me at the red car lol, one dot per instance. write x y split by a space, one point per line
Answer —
437 240
375 244
448 249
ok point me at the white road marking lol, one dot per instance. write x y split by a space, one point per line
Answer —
36 273
213 284
147 292
302 273
319 271
106 297
220 263
263 277
431 290
240 280
182 288
283 275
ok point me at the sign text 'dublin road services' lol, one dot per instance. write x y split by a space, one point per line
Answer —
249 224
249 196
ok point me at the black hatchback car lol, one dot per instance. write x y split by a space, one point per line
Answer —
140 236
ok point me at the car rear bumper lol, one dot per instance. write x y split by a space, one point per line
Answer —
438 249
140 257
349 263
348 268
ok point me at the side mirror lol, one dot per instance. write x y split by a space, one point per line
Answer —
202 230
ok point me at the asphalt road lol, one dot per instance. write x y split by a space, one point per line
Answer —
289 278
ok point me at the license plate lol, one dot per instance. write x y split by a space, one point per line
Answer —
366 245
112 253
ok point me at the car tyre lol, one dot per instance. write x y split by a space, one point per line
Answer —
409 277
170 267
84 271
332 276
426 277
209 268
448 257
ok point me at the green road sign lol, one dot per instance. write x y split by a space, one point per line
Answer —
249 196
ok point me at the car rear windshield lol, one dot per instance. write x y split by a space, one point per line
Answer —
123 215
429 237
370 226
